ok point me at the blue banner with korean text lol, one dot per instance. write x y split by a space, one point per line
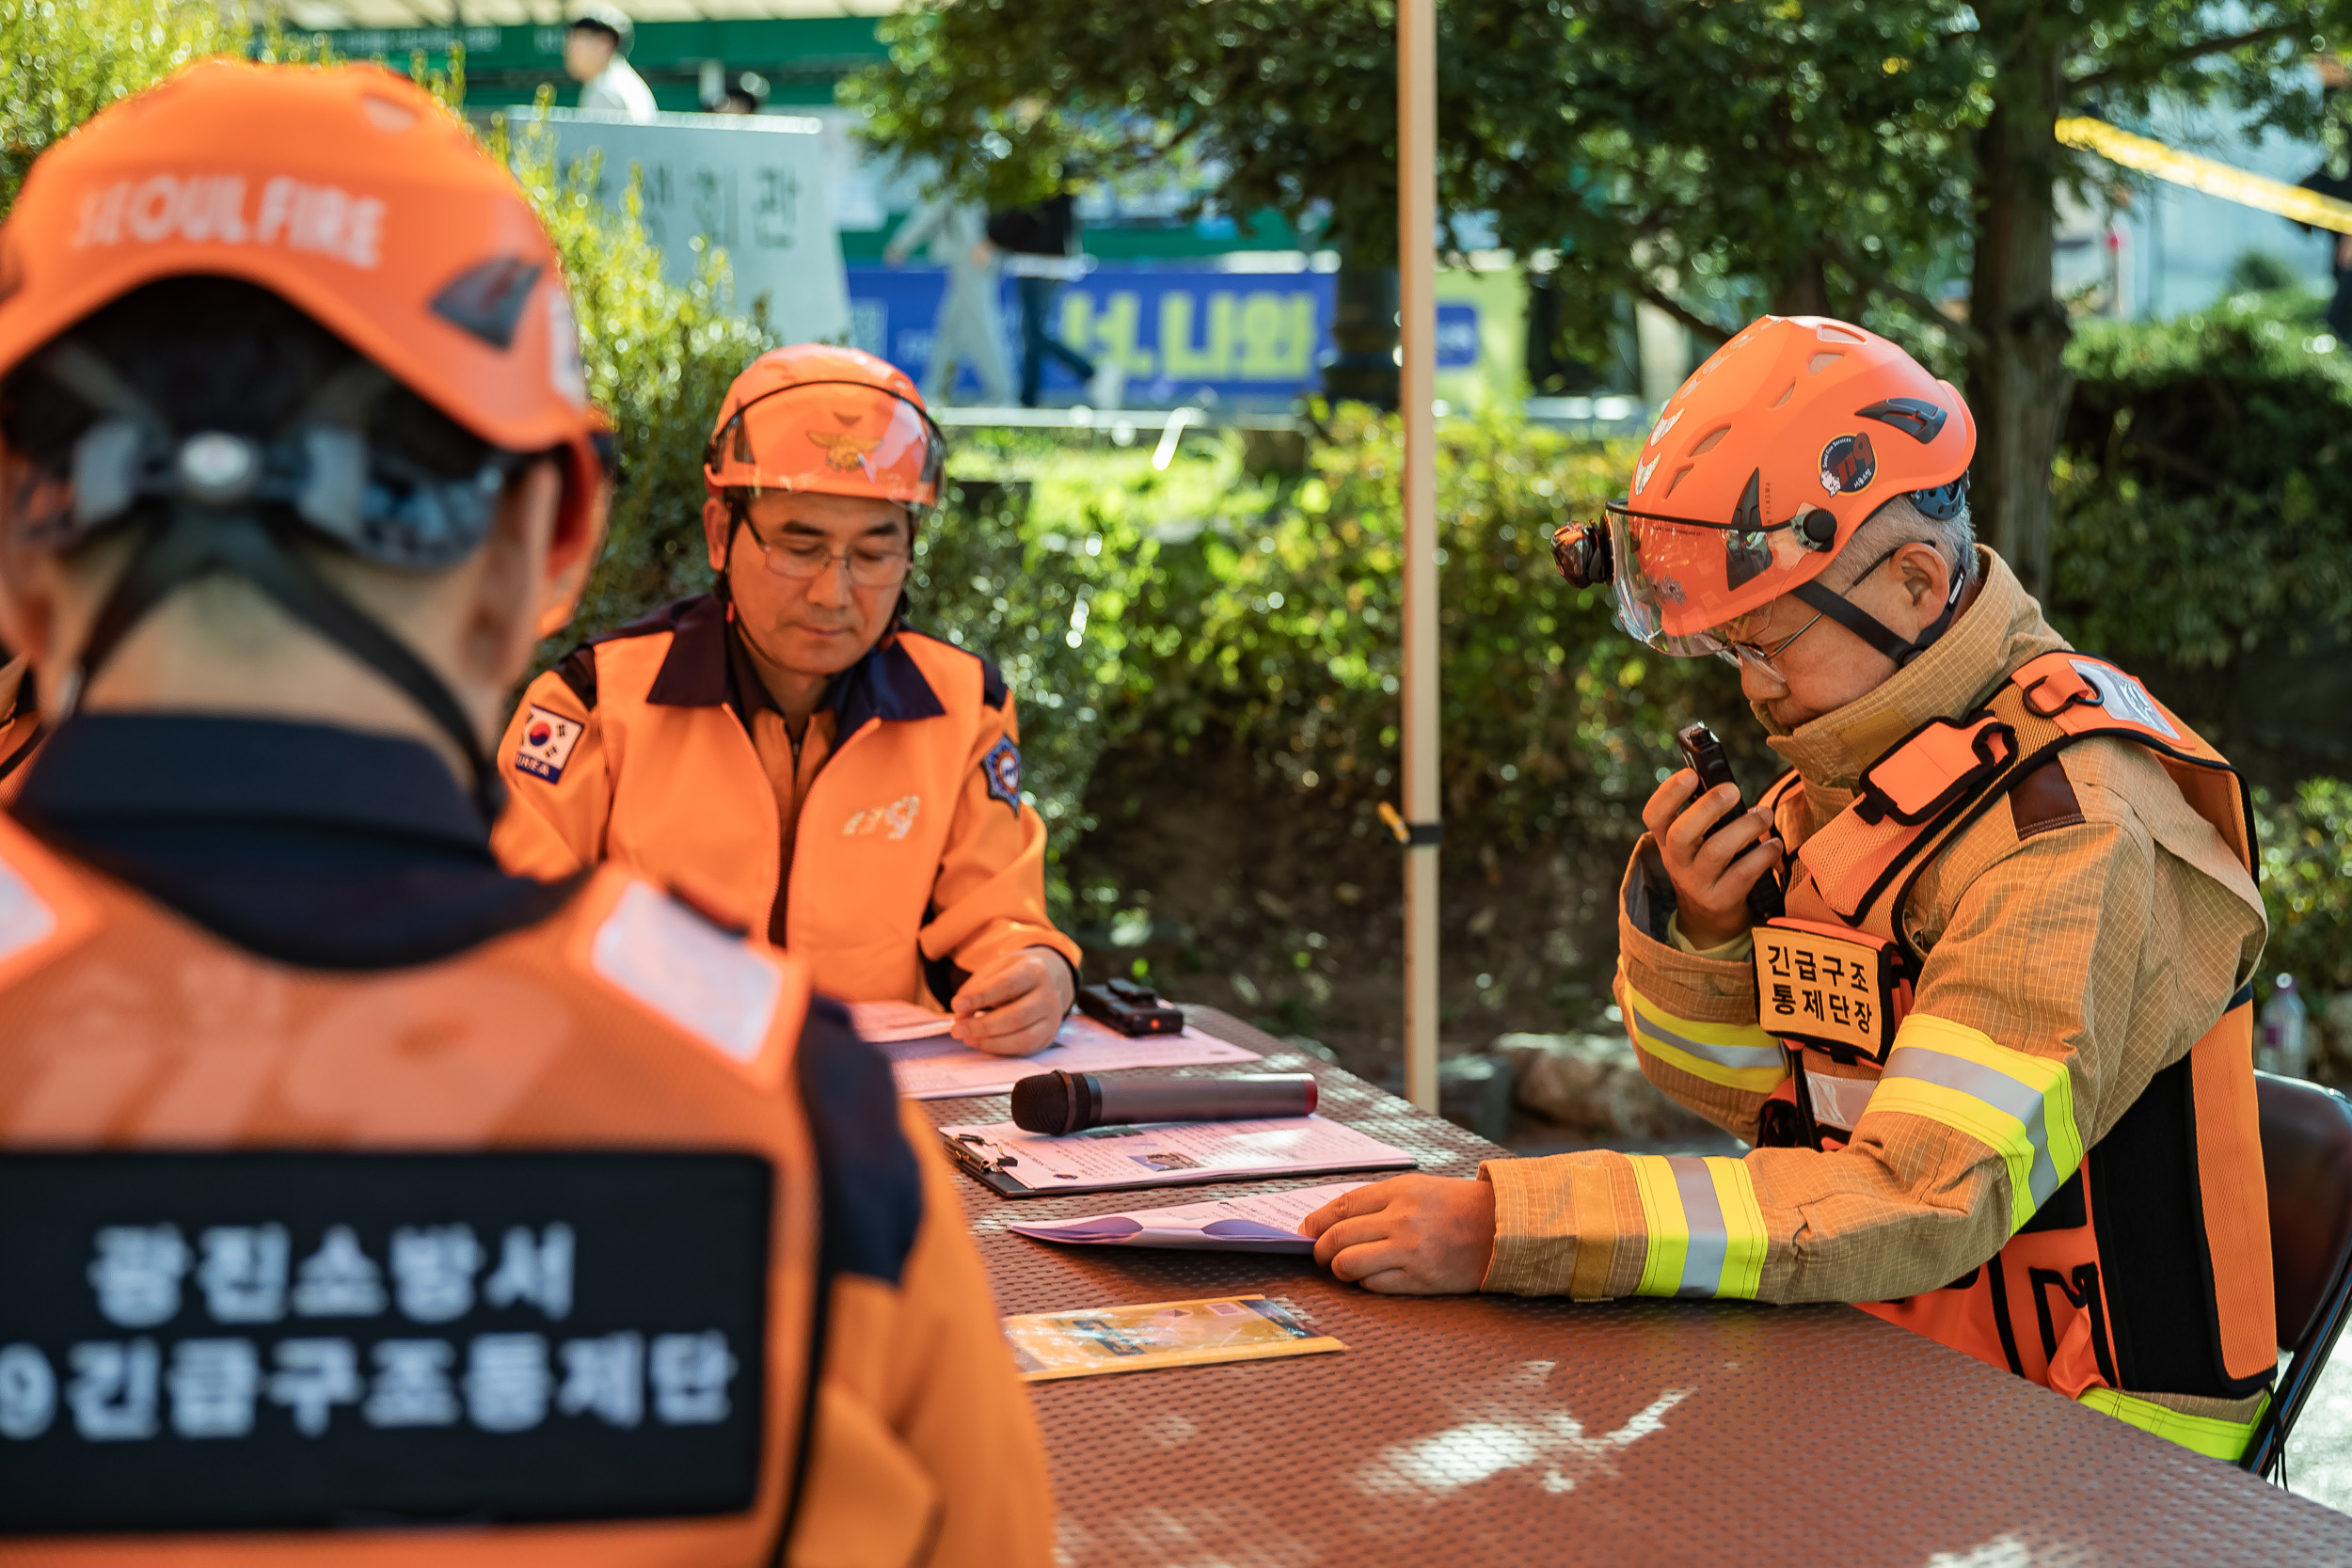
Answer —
1247 337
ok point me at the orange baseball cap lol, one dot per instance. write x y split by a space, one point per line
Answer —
350 193
813 417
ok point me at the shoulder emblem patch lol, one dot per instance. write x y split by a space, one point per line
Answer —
688 971
1001 769
547 744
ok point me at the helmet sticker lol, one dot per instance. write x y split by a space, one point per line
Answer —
1666 426
843 449
1640 475
1848 465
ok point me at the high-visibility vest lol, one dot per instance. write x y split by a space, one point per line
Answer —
2182 1169
521 1243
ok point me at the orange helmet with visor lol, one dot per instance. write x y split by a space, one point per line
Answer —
1760 468
837 421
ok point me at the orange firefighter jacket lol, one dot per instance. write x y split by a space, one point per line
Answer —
596 1235
914 863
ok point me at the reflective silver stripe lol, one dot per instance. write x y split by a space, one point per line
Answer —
1703 1261
1745 1057
1839 1101
1996 1090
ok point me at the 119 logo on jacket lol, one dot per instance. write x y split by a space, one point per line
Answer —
547 744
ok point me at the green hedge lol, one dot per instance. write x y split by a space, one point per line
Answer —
1135 605
2201 530
2307 884
2202 484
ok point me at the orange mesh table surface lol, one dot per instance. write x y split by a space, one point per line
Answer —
1495 1431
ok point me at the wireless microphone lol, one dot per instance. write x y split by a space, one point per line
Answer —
1059 1102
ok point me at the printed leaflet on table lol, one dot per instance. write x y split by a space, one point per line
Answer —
1259 1222
1050 1345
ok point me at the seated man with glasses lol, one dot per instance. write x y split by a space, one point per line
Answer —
785 751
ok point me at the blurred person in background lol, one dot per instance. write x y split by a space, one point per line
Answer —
969 329
746 93
787 750
1040 250
596 54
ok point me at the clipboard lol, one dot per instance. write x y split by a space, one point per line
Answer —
999 1168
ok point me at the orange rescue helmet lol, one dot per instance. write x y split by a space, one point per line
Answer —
838 421
354 197
348 192
1759 469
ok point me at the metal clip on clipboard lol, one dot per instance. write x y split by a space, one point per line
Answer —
974 1152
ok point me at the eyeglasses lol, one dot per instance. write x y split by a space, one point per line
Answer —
801 558
1747 655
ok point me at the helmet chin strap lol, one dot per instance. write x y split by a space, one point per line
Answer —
213 492
1869 628
197 540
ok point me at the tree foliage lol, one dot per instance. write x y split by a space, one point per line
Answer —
63 60
2200 487
1716 157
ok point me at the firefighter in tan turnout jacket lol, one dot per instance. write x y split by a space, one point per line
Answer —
1994 1047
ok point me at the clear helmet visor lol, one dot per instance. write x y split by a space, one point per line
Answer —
1674 581
832 437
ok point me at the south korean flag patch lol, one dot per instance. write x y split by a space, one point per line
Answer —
547 744
1001 768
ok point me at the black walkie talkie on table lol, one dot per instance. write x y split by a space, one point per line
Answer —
1703 754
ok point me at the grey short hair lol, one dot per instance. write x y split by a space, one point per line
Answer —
1900 522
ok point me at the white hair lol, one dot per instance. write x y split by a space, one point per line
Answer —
1900 522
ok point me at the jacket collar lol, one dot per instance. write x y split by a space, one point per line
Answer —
2001 630
887 684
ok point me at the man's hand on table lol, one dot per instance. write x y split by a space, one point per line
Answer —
1408 1236
1012 1008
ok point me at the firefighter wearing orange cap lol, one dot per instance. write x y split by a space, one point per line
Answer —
787 749
1974 977
357 1188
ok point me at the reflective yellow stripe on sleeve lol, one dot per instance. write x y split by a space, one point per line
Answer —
2020 1107
1735 1055
2206 1434
1705 1233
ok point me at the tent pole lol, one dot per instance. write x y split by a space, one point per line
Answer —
1417 229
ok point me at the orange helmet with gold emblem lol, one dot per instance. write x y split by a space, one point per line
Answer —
837 421
1760 468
